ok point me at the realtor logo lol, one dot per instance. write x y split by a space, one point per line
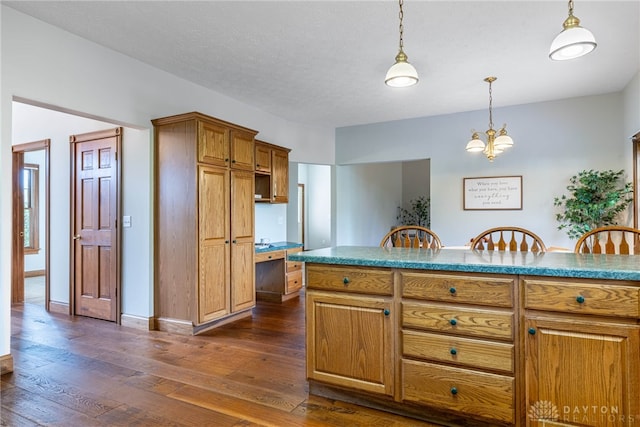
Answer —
543 410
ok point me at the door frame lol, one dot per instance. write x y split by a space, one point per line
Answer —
73 140
635 140
17 251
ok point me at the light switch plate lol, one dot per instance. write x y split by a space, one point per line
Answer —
126 221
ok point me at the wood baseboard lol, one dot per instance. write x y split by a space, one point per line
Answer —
137 322
6 364
59 307
185 327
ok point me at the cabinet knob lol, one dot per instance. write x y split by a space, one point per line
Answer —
453 351
345 280
580 299
532 331
233 161
269 257
234 241
454 390
226 160
386 312
453 322
452 290
226 242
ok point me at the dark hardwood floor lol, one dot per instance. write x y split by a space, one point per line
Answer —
77 371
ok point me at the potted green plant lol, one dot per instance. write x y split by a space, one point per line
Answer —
419 212
596 199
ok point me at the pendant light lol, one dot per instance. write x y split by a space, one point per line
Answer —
494 145
574 41
401 74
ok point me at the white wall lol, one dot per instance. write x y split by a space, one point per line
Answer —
367 201
632 107
553 141
41 63
319 205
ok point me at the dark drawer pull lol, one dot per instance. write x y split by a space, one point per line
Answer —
453 322
580 299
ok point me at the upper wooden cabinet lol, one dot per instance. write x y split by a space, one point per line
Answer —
263 157
220 145
272 173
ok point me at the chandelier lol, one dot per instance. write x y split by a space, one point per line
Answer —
494 145
574 41
401 74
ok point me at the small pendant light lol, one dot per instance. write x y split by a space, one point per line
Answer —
402 73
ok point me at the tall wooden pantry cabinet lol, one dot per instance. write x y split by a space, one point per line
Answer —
204 222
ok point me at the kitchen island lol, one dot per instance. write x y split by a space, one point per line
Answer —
467 337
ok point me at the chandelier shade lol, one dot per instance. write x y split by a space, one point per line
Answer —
402 73
574 41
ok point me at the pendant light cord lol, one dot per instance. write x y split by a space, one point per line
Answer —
401 16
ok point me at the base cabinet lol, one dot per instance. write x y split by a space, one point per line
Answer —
583 352
350 332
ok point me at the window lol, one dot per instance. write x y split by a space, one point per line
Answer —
31 213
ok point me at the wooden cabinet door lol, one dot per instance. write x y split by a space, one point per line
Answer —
213 244
263 158
213 144
243 291
582 373
350 341
280 176
242 150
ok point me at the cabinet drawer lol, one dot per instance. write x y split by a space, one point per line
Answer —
269 256
589 297
474 393
378 281
460 351
294 281
458 320
294 266
484 290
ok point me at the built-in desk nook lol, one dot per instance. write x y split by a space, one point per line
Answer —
465 337
277 278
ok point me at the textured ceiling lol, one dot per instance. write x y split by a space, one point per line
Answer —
323 62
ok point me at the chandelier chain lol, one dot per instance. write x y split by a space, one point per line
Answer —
570 7
401 16
490 105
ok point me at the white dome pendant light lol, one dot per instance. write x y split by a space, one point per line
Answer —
401 74
574 41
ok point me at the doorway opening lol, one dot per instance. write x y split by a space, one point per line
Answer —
30 258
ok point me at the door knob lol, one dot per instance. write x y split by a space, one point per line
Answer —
77 237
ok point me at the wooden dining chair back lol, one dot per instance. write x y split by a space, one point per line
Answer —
411 236
610 239
508 239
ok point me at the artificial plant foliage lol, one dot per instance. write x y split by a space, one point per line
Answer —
596 199
419 212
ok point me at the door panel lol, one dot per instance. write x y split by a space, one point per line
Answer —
213 247
243 292
95 237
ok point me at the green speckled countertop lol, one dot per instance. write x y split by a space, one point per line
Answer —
276 246
556 264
